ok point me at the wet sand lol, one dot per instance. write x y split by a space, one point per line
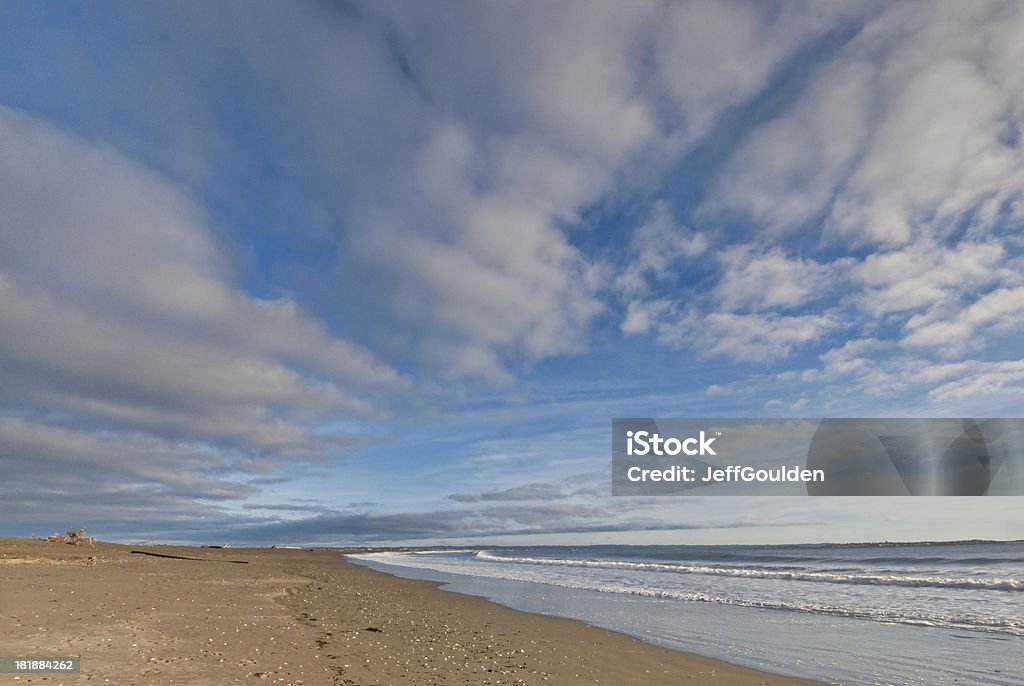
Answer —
298 617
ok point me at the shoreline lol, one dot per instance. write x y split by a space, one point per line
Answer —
289 616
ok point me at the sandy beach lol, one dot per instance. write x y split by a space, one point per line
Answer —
298 617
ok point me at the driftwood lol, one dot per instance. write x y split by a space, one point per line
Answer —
71 537
185 557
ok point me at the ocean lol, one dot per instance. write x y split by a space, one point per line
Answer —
866 614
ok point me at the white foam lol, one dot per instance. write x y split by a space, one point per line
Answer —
671 581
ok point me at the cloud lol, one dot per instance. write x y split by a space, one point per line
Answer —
981 379
222 241
940 155
849 357
925 274
642 315
871 368
81 464
130 363
896 173
759 281
787 170
748 337
446 187
904 133
337 528
713 55
465 250
655 250
1001 310
433 189
539 491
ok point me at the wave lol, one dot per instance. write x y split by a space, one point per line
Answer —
990 584
944 560
916 616
887 616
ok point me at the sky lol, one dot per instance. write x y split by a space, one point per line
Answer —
335 273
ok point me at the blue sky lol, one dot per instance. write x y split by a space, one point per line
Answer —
384 271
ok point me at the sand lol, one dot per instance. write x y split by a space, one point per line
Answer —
298 617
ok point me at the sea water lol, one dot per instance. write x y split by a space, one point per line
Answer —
906 614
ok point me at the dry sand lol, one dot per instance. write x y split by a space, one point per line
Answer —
298 617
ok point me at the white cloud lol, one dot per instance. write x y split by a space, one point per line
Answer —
904 145
641 315
860 372
787 171
925 274
770 280
715 54
982 380
850 357
740 318
119 309
1000 311
476 261
441 161
80 461
566 75
937 157
940 152
451 190
655 251
744 337
906 132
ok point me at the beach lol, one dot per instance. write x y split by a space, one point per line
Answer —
284 616
909 614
